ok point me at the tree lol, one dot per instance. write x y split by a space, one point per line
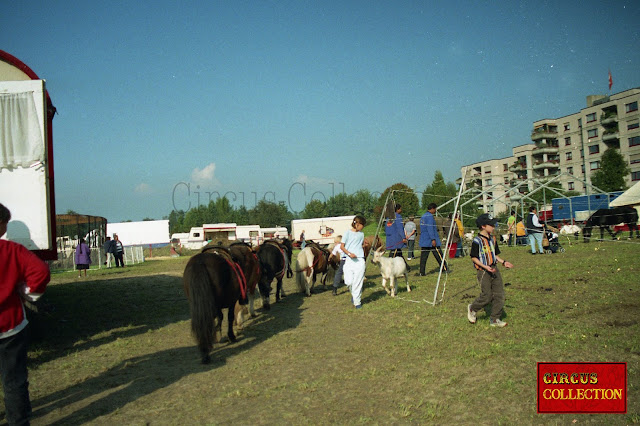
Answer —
363 202
613 169
439 192
268 214
176 221
402 195
241 216
314 208
339 205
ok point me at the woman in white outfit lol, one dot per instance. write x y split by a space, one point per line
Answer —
355 264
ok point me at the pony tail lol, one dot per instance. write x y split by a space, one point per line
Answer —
199 289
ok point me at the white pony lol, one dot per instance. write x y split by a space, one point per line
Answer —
390 268
313 261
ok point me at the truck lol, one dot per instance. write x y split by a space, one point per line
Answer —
26 159
322 230
580 207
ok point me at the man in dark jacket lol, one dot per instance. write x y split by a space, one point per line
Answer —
109 249
534 230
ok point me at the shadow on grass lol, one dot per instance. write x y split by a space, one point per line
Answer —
139 376
80 315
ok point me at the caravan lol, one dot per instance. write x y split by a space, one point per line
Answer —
249 234
322 230
277 232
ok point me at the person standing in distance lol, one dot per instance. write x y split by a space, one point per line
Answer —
118 251
430 240
534 230
410 232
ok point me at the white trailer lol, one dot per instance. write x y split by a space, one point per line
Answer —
148 232
26 157
321 230
277 232
219 232
195 239
249 234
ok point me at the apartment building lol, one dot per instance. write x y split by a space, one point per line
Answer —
570 147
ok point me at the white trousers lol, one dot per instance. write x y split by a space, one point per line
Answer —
109 259
354 277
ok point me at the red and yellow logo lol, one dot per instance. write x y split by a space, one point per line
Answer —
582 387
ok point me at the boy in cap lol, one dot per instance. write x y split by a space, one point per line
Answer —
484 254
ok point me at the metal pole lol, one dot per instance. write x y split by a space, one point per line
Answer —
448 244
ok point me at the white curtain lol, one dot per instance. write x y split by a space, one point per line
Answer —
21 143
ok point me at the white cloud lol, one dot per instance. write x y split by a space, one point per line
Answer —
205 175
142 188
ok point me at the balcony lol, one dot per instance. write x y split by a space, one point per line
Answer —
549 164
544 132
517 180
518 167
609 137
609 118
545 149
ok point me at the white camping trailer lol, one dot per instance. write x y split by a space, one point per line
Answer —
249 234
217 232
322 230
277 232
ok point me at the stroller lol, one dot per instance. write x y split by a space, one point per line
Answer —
552 242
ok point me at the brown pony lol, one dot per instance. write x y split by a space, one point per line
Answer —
242 254
212 282
273 264
369 244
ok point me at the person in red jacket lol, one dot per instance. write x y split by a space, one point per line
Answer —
23 276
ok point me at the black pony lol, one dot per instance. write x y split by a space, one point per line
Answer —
605 218
212 282
274 263
287 246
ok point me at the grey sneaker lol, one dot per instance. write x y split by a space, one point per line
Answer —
498 323
471 315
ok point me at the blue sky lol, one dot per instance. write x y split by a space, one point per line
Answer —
162 102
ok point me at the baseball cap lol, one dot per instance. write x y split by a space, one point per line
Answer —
486 219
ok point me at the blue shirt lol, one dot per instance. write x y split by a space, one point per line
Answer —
428 230
394 232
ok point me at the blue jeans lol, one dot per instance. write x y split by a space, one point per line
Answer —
411 245
337 278
13 369
535 237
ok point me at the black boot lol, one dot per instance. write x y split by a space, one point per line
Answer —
334 291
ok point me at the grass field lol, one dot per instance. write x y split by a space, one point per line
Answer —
115 348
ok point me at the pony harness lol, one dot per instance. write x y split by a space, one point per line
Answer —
225 254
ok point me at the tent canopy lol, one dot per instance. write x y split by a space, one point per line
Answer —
630 197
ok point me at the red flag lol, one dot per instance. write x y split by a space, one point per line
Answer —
610 80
